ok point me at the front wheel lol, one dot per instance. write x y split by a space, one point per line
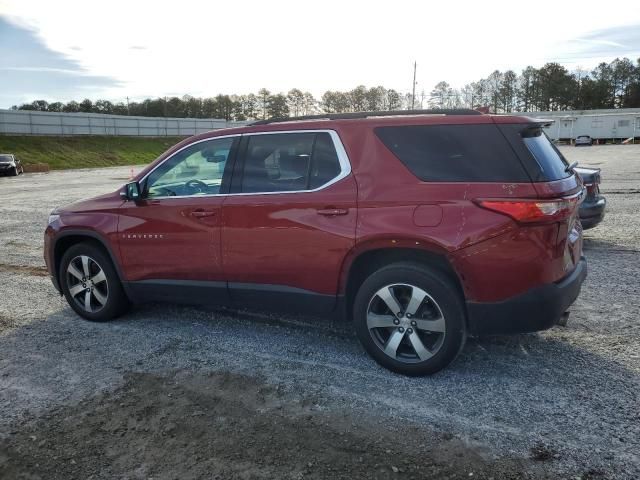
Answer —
410 319
91 284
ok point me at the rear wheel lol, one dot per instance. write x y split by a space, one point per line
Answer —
90 283
410 319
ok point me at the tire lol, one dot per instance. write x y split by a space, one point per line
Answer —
14 172
106 298
403 342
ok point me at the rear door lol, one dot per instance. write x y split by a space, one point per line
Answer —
289 221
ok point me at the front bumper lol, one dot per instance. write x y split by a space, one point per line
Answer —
592 211
537 309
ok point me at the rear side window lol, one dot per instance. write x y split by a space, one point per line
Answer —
454 153
552 164
289 162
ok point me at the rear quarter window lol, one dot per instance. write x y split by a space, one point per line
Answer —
540 157
553 166
454 153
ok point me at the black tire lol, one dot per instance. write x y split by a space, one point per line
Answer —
443 303
14 172
110 289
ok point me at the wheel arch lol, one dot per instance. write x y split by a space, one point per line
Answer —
67 238
367 259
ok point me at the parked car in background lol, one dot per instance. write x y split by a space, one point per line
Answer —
421 228
10 164
583 141
592 208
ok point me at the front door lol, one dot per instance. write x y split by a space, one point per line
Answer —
289 221
170 239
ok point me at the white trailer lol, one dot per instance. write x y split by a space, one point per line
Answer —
610 124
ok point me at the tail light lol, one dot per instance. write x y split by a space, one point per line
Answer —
534 210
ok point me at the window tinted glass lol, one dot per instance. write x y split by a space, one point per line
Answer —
551 162
324 161
289 162
196 170
454 153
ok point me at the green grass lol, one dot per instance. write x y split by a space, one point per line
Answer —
85 151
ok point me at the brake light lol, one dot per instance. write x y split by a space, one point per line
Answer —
530 211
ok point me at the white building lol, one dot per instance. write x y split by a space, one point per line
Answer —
606 124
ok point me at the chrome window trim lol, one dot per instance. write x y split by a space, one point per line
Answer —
343 160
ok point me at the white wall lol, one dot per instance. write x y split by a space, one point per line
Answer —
24 122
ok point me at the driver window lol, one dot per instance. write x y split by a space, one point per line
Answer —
196 170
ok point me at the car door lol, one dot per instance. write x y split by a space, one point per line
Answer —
170 238
289 221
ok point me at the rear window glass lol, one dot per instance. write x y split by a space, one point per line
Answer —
454 153
551 162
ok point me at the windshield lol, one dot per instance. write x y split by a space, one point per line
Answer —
6 158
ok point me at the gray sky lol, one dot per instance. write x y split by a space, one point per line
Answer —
75 49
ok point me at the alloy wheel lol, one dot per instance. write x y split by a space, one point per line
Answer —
406 323
87 283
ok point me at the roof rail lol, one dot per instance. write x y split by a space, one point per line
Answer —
356 115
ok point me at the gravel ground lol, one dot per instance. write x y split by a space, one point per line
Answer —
181 392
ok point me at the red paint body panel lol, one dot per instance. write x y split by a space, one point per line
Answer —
162 239
281 239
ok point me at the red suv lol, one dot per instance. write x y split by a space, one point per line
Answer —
421 228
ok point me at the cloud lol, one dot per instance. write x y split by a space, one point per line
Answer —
609 42
30 70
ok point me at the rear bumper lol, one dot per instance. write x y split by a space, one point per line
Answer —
537 309
592 211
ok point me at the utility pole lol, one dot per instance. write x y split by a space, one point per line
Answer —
128 113
413 95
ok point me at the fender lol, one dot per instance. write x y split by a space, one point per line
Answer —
92 234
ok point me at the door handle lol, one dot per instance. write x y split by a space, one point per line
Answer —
330 212
202 213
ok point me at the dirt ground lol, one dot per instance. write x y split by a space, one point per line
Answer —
180 392
222 425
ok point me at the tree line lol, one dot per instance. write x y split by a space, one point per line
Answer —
551 87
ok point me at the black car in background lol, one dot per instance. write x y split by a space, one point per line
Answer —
592 208
10 164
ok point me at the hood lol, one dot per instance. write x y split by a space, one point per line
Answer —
104 202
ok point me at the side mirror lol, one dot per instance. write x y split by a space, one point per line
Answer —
132 191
